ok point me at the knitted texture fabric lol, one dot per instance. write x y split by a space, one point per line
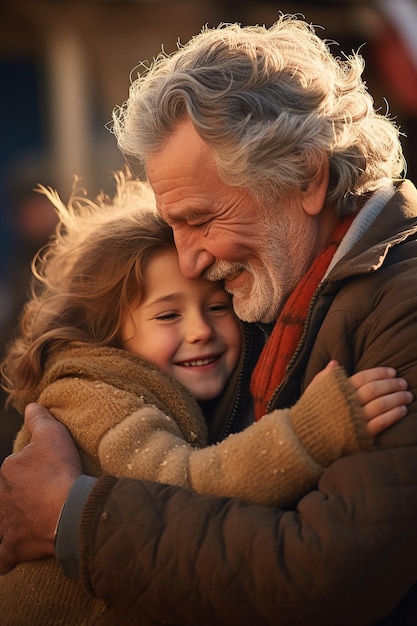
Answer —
287 332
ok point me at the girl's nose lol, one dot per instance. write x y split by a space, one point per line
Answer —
199 329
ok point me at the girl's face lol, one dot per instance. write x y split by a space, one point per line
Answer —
186 327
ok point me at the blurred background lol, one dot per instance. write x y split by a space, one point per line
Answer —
65 64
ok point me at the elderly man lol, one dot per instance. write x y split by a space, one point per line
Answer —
277 175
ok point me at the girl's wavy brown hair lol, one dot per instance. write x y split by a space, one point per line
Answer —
85 280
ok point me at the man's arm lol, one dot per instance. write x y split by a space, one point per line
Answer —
23 536
25 478
195 559
192 559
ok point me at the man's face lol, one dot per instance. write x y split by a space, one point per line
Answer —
220 231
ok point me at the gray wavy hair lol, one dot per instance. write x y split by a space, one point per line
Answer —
273 103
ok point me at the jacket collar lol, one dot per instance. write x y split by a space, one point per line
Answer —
396 222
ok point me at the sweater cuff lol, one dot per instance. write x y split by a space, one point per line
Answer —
67 537
89 520
328 419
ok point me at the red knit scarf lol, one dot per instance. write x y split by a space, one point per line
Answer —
281 345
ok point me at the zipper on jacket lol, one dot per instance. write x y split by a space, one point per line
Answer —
252 342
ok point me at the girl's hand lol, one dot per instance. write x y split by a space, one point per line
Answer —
383 396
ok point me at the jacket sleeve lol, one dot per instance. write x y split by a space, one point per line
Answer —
192 559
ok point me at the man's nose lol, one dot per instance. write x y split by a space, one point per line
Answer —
193 259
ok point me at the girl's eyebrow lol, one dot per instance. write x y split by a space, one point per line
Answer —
213 288
169 297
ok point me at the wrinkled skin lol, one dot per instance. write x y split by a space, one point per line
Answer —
26 537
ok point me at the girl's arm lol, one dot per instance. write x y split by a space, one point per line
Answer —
278 459
273 461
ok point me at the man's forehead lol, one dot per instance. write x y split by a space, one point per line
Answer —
183 150
182 197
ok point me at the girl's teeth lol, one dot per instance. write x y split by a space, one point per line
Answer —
199 362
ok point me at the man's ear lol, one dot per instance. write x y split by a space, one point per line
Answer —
313 197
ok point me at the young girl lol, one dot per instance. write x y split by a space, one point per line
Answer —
128 354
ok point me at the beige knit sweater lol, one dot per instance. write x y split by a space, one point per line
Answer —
129 419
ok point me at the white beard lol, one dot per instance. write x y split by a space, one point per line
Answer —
287 252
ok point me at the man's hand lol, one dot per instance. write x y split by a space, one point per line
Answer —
34 485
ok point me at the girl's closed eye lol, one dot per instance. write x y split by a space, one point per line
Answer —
167 317
219 307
